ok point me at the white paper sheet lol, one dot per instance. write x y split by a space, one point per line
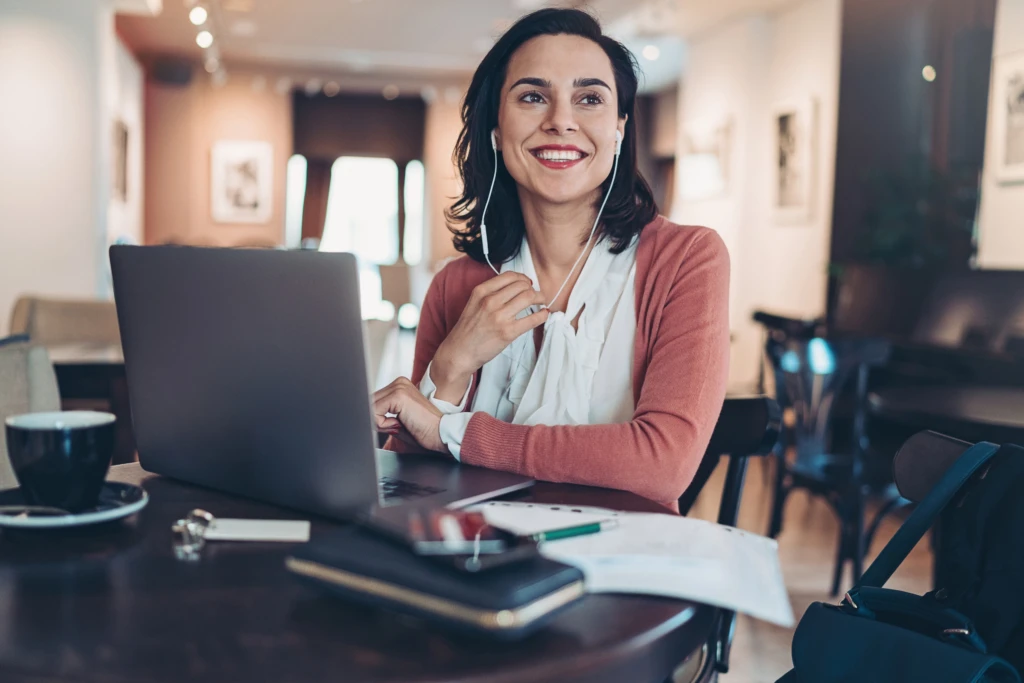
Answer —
661 555
284 530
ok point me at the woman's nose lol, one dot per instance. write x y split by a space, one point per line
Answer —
561 118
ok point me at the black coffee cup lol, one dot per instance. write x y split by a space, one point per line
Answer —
61 459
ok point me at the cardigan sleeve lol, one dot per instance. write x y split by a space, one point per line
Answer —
430 332
656 454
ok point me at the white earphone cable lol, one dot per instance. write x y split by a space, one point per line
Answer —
483 216
615 168
487 203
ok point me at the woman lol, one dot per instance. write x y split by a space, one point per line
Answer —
582 338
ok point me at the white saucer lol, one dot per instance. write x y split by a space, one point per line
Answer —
117 500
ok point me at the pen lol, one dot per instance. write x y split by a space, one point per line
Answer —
569 532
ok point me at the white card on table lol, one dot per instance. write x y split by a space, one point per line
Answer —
226 529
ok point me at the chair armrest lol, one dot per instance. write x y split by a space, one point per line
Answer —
791 327
748 425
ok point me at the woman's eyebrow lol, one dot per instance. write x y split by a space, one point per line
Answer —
544 83
531 80
590 83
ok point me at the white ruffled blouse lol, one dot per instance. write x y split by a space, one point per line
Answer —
581 376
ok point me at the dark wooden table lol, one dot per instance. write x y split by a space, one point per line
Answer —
96 373
971 413
112 604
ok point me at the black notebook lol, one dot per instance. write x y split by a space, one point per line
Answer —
509 601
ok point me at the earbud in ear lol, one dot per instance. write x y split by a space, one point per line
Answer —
494 140
618 141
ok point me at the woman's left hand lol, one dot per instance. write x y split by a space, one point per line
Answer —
401 410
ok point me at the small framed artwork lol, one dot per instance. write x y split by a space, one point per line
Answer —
704 163
241 181
795 133
119 157
1008 117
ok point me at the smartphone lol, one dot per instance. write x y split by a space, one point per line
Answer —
456 538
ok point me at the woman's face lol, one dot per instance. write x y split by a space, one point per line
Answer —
557 118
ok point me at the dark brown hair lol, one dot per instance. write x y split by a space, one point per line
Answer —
631 205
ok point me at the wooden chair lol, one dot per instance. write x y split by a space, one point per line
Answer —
55 322
746 427
811 372
378 333
395 284
27 385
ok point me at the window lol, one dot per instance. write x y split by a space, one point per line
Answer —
295 197
414 190
362 218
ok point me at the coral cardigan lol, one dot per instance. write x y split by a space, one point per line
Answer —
680 366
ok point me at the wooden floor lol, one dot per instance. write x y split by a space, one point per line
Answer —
807 546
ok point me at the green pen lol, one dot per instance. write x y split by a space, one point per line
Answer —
570 532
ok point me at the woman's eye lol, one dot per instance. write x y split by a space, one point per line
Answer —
591 99
532 98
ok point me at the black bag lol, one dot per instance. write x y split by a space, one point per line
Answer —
885 636
980 554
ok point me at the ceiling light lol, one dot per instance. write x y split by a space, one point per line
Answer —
390 91
928 72
211 65
331 88
651 53
313 86
198 15
204 39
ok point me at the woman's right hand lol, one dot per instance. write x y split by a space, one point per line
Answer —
487 325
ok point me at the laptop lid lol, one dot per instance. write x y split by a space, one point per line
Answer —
246 372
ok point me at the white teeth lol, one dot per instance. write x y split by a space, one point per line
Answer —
558 155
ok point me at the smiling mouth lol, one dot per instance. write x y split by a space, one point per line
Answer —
558 154
558 158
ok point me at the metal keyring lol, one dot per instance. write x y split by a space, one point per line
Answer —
190 534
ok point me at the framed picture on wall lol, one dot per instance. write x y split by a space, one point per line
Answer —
704 165
241 181
795 128
1008 103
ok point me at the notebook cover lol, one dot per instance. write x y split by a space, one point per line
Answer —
515 598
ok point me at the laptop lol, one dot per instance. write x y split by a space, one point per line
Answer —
246 373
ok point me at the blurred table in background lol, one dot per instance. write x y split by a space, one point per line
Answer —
95 373
971 413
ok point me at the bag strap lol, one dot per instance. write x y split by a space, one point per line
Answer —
925 514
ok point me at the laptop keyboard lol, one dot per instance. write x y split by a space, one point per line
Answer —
396 489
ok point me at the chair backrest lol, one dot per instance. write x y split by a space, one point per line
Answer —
377 333
810 371
52 322
921 462
27 385
395 284
747 425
